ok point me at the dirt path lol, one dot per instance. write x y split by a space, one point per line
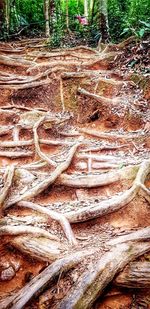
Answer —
74 179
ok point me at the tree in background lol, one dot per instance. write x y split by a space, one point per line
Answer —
104 26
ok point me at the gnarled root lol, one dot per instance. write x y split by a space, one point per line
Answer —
92 283
54 215
40 249
141 234
9 174
34 191
136 275
41 281
37 146
114 203
25 229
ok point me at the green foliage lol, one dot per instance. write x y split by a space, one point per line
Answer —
126 17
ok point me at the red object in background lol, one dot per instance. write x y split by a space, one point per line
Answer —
82 20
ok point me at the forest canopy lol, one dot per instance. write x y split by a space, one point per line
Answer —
89 20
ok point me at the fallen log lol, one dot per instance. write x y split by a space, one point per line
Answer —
135 275
55 216
93 282
39 283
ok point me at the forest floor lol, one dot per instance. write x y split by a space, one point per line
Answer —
74 176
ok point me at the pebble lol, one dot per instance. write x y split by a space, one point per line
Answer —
7 274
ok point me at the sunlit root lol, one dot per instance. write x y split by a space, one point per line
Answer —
10 61
8 178
21 143
42 155
141 234
38 188
16 154
25 86
25 229
5 130
40 249
94 281
41 281
114 135
53 215
101 99
136 275
113 204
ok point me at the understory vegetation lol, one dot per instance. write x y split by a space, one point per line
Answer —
60 20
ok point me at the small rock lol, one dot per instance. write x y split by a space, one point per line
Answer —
7 274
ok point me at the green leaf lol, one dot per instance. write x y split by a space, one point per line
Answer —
125 30
141 32
145 24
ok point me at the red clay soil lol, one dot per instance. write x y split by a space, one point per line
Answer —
125 112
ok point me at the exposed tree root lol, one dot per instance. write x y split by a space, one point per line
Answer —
20 143
113 204
92 283
25 86
5 130
8 178
16 154
38 188
10 61
114 135
41 281
136 275
25 229
54 215
141 234
42 155
101 99
40 249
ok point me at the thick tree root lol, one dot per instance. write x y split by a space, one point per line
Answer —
41 281
53 215
5 130
21 143
114 135
136 275
97 180
92 283
102 100
42 155
25 229
34 191
25 86
113 204
8 178
16 154
40 249
141 234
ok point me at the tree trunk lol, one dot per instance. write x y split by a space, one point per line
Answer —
86 8
46 12
7 15
67 14
104 26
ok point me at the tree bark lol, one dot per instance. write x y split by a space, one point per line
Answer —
104 26
47 21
